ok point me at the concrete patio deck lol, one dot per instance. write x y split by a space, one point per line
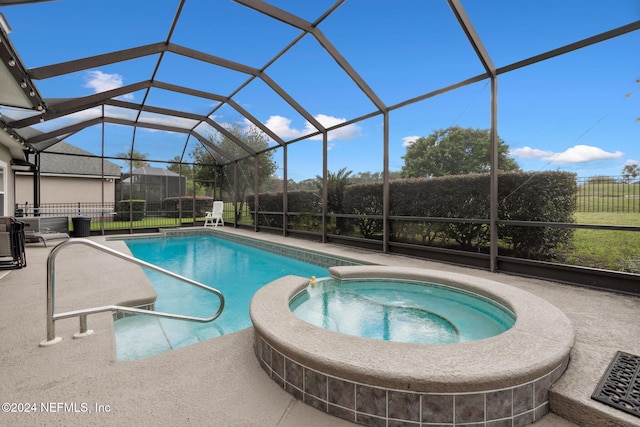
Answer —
219 382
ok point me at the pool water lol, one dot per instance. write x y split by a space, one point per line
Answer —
401 311
236 270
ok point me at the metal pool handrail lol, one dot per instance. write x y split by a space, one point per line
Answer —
82 314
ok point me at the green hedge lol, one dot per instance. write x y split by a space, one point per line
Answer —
526 196
364 200
203 204
138 209
459 196
305 202
544 197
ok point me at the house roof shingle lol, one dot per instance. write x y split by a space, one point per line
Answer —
84 163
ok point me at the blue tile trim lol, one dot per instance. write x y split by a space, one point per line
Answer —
316 258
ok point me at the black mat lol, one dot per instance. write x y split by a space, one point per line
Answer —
620 384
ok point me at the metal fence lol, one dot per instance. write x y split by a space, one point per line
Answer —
595 194
107 216
608 194
93 210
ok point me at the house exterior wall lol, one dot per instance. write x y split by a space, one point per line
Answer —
6 183
60 189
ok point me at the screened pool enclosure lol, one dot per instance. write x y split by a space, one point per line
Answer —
454 130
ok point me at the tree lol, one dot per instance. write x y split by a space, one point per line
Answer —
139 159
454 151
630 172
206 168
178 167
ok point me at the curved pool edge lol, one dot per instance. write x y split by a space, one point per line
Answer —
314 364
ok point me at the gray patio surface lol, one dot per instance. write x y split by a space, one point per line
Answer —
219 382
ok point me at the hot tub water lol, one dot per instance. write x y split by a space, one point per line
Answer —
401 311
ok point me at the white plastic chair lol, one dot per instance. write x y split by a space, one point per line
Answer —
216 214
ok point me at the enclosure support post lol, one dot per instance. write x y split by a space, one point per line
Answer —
102 180
325 190
256 186
36 186
236 215
285 198
133 142
487 63
493 190
385 184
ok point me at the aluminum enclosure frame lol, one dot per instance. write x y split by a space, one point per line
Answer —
49 109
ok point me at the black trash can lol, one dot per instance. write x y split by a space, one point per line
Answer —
81 226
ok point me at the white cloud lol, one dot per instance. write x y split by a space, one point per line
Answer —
344 133
102 82
575 154
409 140
281 126
631 162
530 153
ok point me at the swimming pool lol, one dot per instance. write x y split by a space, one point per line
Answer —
237 270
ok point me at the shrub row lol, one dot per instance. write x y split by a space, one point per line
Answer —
305 202
137 208
523 196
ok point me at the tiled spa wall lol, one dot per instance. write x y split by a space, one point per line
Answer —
374 406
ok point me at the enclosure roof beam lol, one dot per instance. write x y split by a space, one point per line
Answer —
41 146
59 108
151 109
472 35
76 65
212 146
192 116
634 26
295 21
156 126
277 13
211 59
255 121
292 102
160 48
69 106
125 122
187 91
65 130
351 72
62 107
147 125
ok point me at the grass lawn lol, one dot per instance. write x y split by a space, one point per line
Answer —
613 250
162 222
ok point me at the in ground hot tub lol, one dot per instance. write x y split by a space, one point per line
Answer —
372 381
400 310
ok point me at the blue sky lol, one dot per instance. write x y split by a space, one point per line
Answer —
578 112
